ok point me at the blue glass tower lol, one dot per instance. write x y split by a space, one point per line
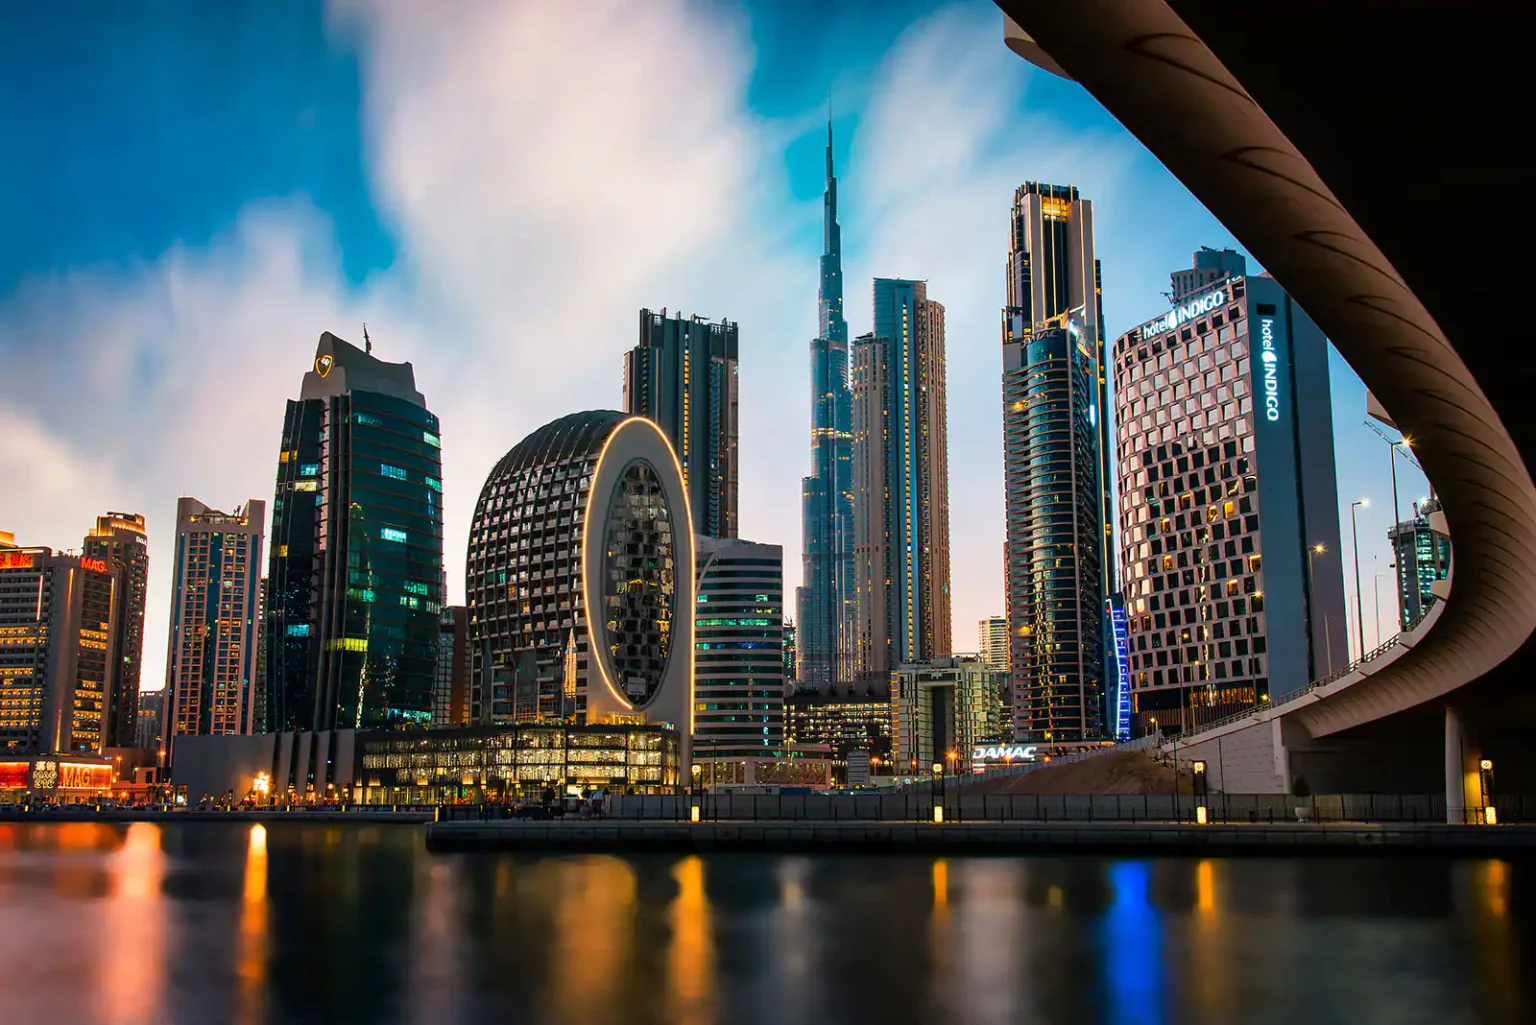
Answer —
355 582
825 613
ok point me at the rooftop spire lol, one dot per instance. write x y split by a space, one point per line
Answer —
829 139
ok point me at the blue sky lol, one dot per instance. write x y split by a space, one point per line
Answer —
190 193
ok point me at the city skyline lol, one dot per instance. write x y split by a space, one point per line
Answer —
257 272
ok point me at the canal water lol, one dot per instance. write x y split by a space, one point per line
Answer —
203 923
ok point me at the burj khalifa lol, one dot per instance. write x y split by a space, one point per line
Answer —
826 602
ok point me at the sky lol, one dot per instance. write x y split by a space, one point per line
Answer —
191 193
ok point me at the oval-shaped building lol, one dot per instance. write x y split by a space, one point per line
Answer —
580 578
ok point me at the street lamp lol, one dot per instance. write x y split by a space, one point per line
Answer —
1397 515
1311 604
938 807
1354 530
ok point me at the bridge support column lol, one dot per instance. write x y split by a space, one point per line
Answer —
1463 785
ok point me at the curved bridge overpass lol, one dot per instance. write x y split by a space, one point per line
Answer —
1350 150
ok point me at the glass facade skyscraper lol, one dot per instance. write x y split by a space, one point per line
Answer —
682 375
355 585
825 611
1058 490
901 482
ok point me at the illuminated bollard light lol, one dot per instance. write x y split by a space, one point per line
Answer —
1200 815
1490 816
693 814
938 815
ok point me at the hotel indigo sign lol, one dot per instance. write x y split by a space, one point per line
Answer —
1269 360
1183 314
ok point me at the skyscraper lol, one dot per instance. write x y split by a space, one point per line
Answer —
1229 530
825 613
57 655
1059 573
901 482
1206 268
992 642
151 715
119 539
739 651
790 664
1421 553
683 376
450 701
355 585
210 661
580 579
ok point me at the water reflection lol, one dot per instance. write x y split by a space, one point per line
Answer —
591 933
691 962
1208 968
253 928
1133 947
227 923
993 937
131 984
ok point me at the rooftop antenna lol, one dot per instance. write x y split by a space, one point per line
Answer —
367 342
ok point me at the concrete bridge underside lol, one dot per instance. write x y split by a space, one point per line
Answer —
1363 159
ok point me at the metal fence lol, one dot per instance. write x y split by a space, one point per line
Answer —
918 805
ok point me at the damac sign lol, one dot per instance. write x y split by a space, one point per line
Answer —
1183 314
1270 361
1003 754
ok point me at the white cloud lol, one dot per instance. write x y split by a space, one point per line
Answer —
546 170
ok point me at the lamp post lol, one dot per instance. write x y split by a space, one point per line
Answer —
1354 531
1397 515
1311 607
938 807
953 769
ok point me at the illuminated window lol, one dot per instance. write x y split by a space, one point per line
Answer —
309 469
393 471
392 534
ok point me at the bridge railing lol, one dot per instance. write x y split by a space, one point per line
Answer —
959 807
1375 653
